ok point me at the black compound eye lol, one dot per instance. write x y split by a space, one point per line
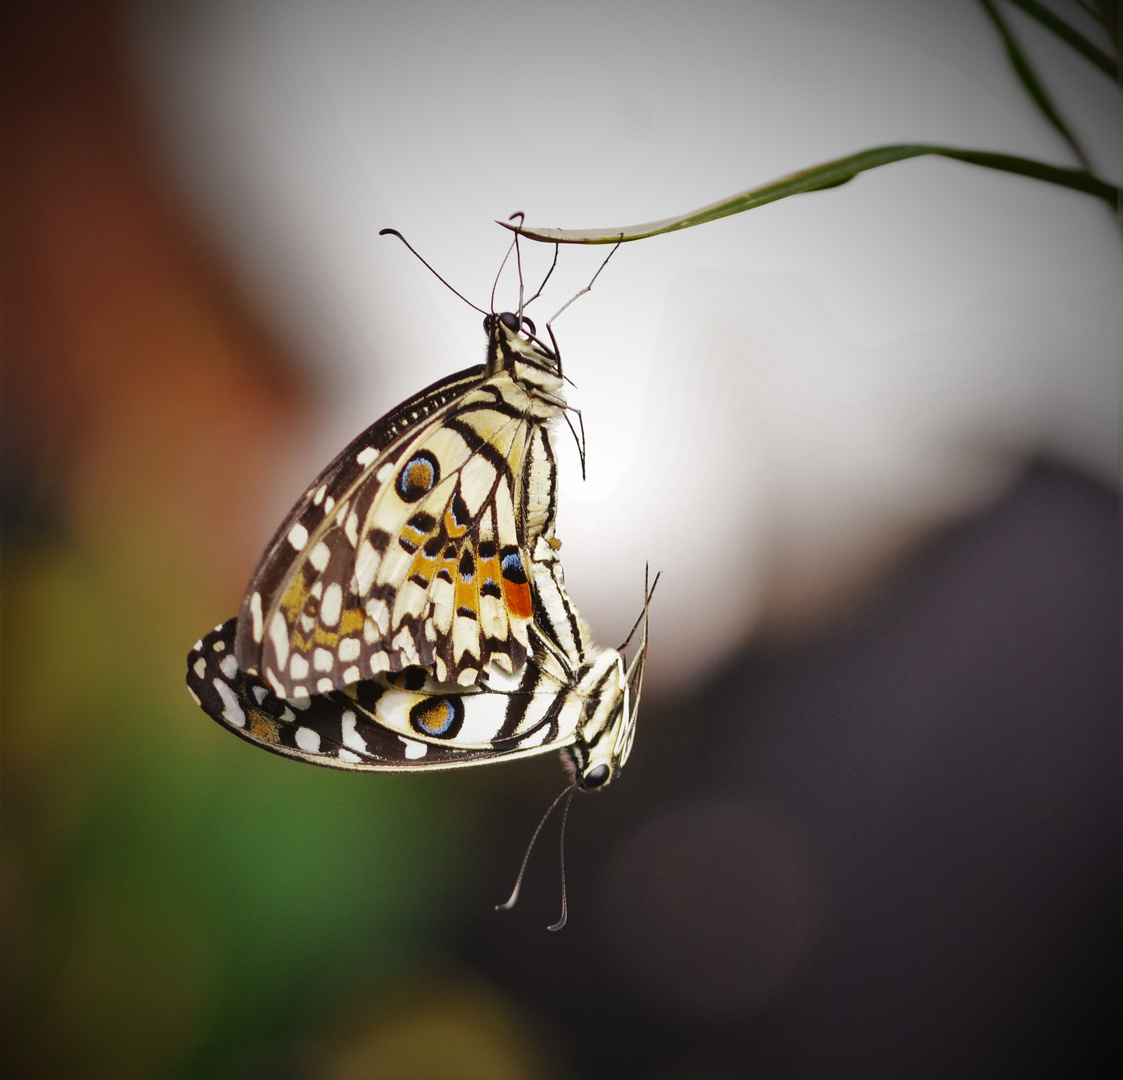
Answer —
418 477
596 776
510 320
529 324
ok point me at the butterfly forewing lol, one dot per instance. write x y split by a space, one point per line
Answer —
411 548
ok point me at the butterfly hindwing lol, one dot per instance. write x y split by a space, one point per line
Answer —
400 721
411 548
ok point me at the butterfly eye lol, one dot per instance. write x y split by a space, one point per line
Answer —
510 320
596 776
529 324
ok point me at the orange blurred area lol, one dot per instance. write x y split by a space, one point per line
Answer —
163 890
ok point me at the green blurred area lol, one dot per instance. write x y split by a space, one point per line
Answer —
175 899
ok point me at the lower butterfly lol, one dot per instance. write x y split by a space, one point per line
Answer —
569 696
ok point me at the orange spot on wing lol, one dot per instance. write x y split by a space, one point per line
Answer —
264 727
352 620
518 599
467 596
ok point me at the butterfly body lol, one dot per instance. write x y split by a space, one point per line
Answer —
413 547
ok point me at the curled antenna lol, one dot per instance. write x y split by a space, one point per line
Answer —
510 901
394 232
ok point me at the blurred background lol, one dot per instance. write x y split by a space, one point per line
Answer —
870 826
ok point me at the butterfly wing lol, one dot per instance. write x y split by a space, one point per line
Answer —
434 727
410 548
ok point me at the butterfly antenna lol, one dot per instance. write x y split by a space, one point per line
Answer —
647 595
499 273
394 232
519 258
560 924
510 902
615 248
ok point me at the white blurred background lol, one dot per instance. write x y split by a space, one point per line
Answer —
777 404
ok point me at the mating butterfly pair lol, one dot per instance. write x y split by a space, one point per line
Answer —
411 613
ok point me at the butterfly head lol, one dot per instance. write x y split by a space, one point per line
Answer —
514 346
599 754
606 739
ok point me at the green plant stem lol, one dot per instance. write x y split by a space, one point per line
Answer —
827 175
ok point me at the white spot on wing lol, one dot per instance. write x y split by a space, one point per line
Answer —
366 563
308 740
499 679
231 710
319 496
350 758
322 660
319 555
383 473
351 529
194 696
219 646
351 737
298 669
414 750
348 650
331 605
229 666
376 608
200 668
325 686
298 536
365 457
255 615
279 635
351 675
260 694
329 505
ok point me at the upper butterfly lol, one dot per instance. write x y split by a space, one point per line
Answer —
412 547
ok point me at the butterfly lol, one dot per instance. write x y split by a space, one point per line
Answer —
411 548
569 695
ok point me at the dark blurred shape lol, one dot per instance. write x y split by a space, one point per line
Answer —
712 908
946 764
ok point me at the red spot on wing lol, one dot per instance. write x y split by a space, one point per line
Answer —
518 599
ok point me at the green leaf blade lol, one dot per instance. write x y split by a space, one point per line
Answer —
821 177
